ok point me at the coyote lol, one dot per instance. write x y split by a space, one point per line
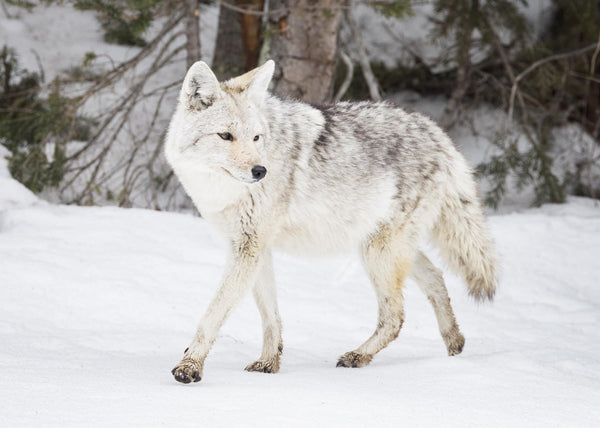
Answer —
274 173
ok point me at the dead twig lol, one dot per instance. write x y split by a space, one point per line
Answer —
363 58
532 67
347 79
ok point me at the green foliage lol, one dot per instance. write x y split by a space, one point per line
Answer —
30 124
394 8
533 165
498 169
576 89
124 21
543 81
575 22
89 58
22 3
84 72
551 93
488 17
556 92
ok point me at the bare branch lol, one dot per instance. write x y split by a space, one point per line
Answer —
595 57
113 75
363 58
585 76
348 79
275 13
542 61
5 9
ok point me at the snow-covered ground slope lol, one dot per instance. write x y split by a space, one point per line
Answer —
98 304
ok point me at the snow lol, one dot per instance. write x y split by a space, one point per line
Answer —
98 304
391 40
12 193
42 45
42 30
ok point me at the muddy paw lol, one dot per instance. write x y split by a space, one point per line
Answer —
264 366
354 359
187 371
454 343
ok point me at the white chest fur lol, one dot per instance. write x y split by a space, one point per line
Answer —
211 192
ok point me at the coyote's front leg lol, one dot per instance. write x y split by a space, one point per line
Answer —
266 301
240 274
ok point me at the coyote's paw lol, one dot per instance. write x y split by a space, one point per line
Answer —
454 343
354 359
188 370
264 366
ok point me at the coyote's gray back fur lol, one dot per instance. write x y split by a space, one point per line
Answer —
351 175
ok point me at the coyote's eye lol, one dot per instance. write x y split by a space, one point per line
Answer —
226 136
256 137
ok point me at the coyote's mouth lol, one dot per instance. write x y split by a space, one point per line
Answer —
241 180
228 173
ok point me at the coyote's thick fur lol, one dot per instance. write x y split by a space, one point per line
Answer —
268 173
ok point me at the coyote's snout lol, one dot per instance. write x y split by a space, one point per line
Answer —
259 172
368 176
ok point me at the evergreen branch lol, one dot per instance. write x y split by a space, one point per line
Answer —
277 13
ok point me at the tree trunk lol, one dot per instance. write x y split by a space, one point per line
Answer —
251 31
229 51
192 31
238 39
304 47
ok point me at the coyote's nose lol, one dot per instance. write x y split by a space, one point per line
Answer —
259 172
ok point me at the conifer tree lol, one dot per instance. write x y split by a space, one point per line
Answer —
30 124
475 24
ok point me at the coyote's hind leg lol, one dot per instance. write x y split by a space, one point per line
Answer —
430 280
387 260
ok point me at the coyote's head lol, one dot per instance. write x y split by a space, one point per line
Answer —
219 126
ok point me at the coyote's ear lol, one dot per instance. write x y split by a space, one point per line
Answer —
257 88
200 86
253 83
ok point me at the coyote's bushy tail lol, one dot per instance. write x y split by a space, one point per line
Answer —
465 243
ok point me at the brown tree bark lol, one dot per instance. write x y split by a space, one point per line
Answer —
239 38
228 60
192 31
251 31
304 46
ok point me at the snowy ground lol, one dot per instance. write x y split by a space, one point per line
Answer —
98 304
